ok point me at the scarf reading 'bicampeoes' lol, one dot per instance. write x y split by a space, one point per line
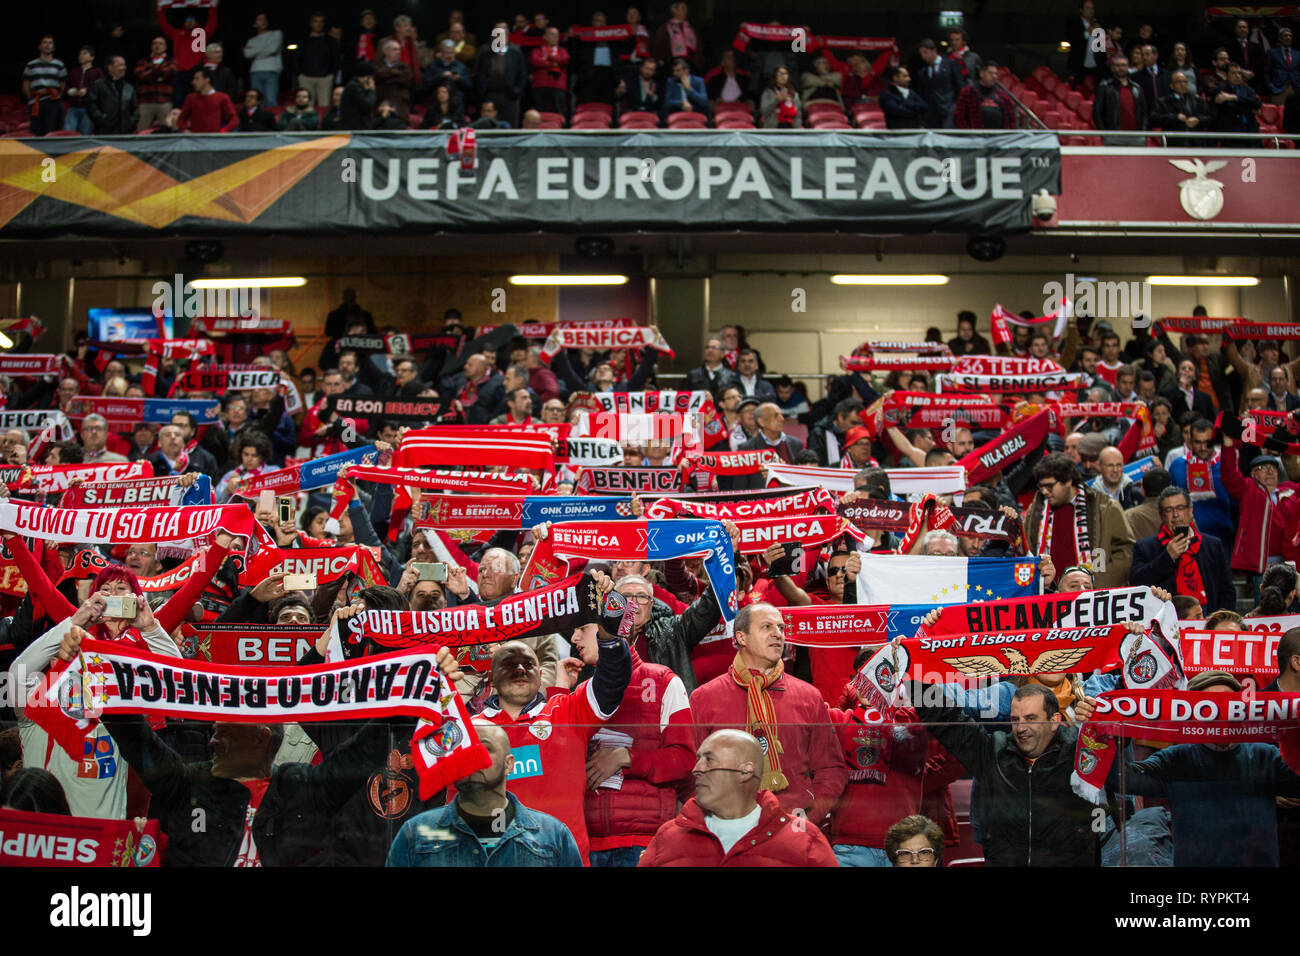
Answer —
760 717
108 678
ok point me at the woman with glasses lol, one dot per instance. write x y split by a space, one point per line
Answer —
915 841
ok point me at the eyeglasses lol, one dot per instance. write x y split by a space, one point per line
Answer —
1174 510
1047 486
835 572
642 599
915 856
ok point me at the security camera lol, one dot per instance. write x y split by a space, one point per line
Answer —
1043 205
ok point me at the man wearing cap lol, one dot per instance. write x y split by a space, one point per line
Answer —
771 435
857 449
1090 449
1264 504
1222 796
1181 560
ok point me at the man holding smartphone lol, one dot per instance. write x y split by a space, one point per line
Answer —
1181 560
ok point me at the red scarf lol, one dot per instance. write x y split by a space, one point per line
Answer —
1187 578
867 740
1200 474
1082 542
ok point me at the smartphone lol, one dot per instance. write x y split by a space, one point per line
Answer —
120 605
266 502
791 560
300 582
1182 530
431 571
286 510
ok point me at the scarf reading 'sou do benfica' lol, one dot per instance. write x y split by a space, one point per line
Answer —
1233 328
1181 717
638 540
108 678
727 462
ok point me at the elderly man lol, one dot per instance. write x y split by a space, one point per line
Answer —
142 559
771 435
732 820
173 459
484 824
1267 510
498 576
551 737
94 438
1111 480
713 374
1181 560
803 765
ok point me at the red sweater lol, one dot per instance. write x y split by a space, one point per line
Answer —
182 42
209 113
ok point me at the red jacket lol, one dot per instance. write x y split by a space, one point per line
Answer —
550 68
209 113
1260 530
182 41
811 758
656 714
776 841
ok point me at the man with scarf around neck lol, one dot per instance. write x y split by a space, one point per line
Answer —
1197 467
731 820
1070 524
802 762
1267 507
1029 813
1191 563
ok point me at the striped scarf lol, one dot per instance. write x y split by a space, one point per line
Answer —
760 714
1082 543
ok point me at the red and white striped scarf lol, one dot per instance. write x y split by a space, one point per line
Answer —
1082 542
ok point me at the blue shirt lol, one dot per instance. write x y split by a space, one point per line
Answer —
441 837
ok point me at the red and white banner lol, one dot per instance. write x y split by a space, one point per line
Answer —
728 462
124 525
604 338
218 378
1009 447
887 362
1252 652
940 480
1041 382
449 445
727 505
1004 365
258 644
110 678
53 479
207 325
328 564
812 531
30 364
123 492
475 512
1001 318
55 839
466 482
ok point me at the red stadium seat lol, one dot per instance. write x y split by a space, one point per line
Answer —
639 124
602 108
1073 99
1049 83
823 106
722 109
638 116
589 121
828 121
1052 119
1268 114
735 121
552 121
687 120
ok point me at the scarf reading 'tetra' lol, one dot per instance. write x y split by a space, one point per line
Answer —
760 714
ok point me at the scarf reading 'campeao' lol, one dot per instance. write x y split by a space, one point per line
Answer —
760 714
1187 577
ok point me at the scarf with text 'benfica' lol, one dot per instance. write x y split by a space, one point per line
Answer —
30 364
727 462
1233 328
54 479
1032 382
470 629
487 511
1181 717
304 476
638 541
811 531
219 378
108 678
55 839
239 643
603 338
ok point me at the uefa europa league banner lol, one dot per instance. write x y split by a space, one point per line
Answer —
559 181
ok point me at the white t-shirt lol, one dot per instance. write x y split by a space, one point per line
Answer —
729 832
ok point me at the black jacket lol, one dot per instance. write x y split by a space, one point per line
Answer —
1239 115
1153 88
1105 106
817 440
1029 814
1201 404
112 107
903 110
292 821
1079 36
1153 567
261 121
357 106
1189 105
701 379
940 91
671 637
488 83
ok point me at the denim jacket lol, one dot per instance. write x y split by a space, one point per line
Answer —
441 838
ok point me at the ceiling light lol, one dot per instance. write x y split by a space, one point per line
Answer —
5 341
568 280
280 282
879 279
1203 280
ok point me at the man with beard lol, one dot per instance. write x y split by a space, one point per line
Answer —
485 824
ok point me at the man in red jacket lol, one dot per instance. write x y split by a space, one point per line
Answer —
1264 507
207 110
635 765
730 821
803 764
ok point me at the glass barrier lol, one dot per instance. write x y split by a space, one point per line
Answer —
851 792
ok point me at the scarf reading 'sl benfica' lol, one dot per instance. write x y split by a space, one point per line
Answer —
1181 717
469 629
639 540
1019 441
109 678
1037 382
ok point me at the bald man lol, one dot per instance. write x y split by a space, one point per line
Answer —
485 824
1112 481
771 422
730 821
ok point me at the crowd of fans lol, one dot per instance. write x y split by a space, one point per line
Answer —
632 72
658 750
